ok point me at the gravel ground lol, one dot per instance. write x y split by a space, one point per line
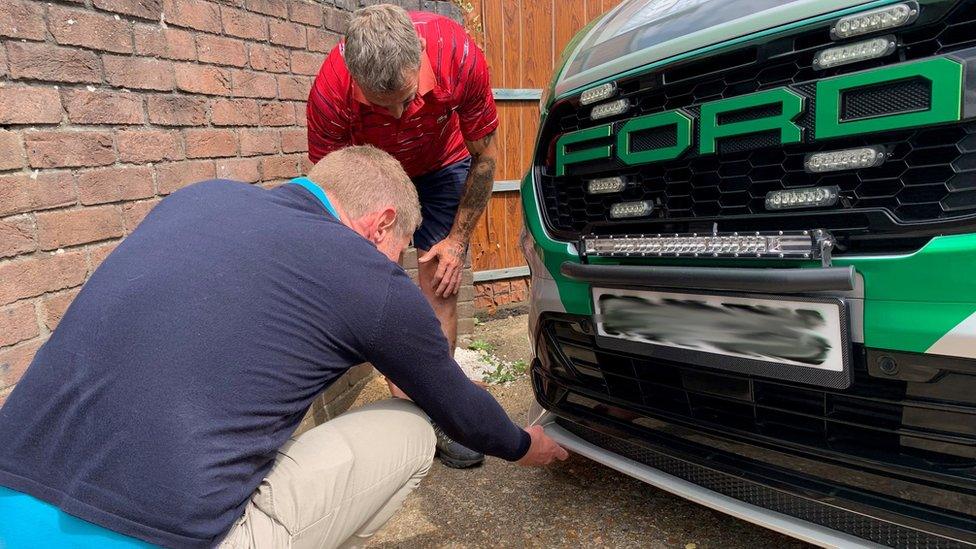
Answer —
575 503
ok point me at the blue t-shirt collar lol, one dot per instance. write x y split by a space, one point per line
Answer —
318 193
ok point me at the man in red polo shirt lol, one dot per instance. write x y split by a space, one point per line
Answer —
416 86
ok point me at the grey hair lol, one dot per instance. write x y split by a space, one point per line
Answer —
364 179
381 47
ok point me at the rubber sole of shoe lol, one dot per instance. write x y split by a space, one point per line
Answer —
455 463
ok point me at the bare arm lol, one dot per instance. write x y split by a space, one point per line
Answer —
450 251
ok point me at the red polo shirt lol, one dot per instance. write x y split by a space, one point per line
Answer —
453 104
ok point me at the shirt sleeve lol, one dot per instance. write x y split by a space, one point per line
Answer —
476 113
328 116
409 348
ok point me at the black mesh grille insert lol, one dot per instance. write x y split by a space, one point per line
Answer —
868 528
907 96
928 181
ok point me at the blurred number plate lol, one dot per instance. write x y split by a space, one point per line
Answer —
806 334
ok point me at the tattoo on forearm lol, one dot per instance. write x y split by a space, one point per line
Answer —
477 193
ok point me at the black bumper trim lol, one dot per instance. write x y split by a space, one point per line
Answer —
767 281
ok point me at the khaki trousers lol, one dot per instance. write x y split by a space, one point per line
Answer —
337 484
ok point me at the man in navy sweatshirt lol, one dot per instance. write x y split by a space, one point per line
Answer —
160 410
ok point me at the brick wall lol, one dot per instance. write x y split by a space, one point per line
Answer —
107 106
489 296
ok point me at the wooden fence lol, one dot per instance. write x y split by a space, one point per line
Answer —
522 40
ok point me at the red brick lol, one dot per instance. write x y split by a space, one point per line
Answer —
277 114
22 19
23 193
484 303
98 253
207 143
103 107
139 146
52 63
280 167
286 34
171 110
502 287
203 79
54 149
258 141
72 27
254 84
16 236
268 58
29 105
3 63
322 40
293 141
195 14
294 87
482 289
54 306
306 164
239 169
277 8
11 151
336 20
306 63
115 184
135 212
14 362
143 9
36 275
169 43
60 228
300 113
242 24
221 51
234 112
17 323
176 175
306 12
138 73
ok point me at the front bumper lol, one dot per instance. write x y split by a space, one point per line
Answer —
779 522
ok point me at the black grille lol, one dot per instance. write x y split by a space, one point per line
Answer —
926 426
885 533
930 176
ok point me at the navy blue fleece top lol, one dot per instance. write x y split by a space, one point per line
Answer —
195 349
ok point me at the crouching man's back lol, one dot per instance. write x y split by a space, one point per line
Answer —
186 362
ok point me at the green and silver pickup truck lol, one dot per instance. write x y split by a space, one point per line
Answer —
751 226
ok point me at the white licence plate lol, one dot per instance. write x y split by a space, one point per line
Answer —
797 333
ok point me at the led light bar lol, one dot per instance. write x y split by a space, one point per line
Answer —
606 185
810 197
852 53
846 159
782 244
598 93
888 17
624 210
613 108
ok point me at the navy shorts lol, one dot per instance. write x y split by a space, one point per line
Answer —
440 194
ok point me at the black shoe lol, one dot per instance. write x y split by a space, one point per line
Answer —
454 454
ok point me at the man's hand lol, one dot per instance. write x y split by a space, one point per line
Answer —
449 254
543 450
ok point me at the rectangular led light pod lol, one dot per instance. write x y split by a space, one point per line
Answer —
606 185
598 93
782 244
852 53
888 17
624 210
846 159
810 197
606 110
